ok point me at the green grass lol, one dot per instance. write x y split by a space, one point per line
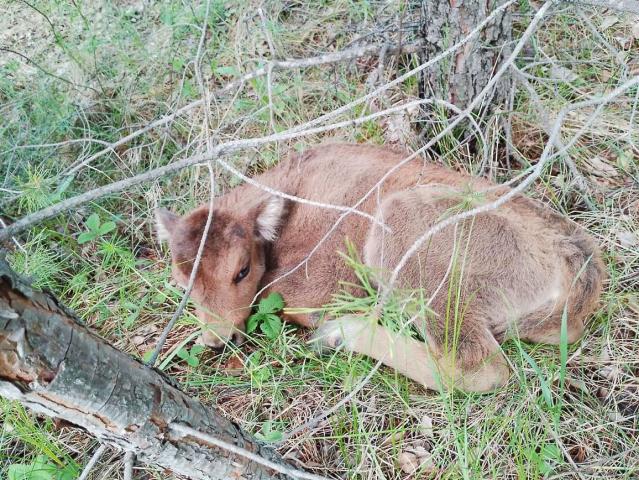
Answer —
578 400
30 445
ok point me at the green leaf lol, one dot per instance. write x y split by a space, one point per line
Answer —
197 349
39 469
271 304
93 222
193 361
159 297
106 228
268 434
129 305
563 355
228 71
272 326
129 321
550 456
178 64
262 374
188 89
147 356
253 322
255 359
543 383
183 354
85 237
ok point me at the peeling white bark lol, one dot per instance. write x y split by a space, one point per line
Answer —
55 366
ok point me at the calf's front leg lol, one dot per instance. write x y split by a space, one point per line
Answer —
410 357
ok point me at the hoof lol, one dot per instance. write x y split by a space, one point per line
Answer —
337 334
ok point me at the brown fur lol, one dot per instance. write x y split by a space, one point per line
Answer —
520 265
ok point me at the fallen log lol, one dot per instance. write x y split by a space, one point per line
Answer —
54 365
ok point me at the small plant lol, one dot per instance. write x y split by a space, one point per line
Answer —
192 356
266 316
41 468
259 370
134 310
95 229
268 434
546 459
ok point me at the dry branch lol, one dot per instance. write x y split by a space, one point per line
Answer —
129 460
189 287
54 365
95 458
397 81
328 58
214 154
229 147
580 181
544 160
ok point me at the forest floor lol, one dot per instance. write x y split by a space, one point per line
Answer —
75 77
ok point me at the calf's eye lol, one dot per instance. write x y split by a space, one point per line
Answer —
242 274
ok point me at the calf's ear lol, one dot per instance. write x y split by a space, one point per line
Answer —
269 217
165 223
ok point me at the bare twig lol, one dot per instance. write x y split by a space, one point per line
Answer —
56 144
13 239
613 50
266 32
129 460
196 265
336 57
287 196
541 164
214 153
188 432
198 258
46 72
269 89
343 56
209 217
330 411
580 181
632 118
475 31
198 73
92 462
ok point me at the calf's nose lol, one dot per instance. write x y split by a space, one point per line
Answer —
214 340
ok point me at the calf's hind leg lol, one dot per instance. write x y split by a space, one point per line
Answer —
413 358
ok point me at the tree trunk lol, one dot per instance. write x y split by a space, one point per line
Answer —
460 77
52 364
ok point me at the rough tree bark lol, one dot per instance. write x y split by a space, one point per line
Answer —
459 78
57 367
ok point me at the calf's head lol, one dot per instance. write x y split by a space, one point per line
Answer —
233 260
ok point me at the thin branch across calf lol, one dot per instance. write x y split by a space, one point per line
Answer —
523 265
